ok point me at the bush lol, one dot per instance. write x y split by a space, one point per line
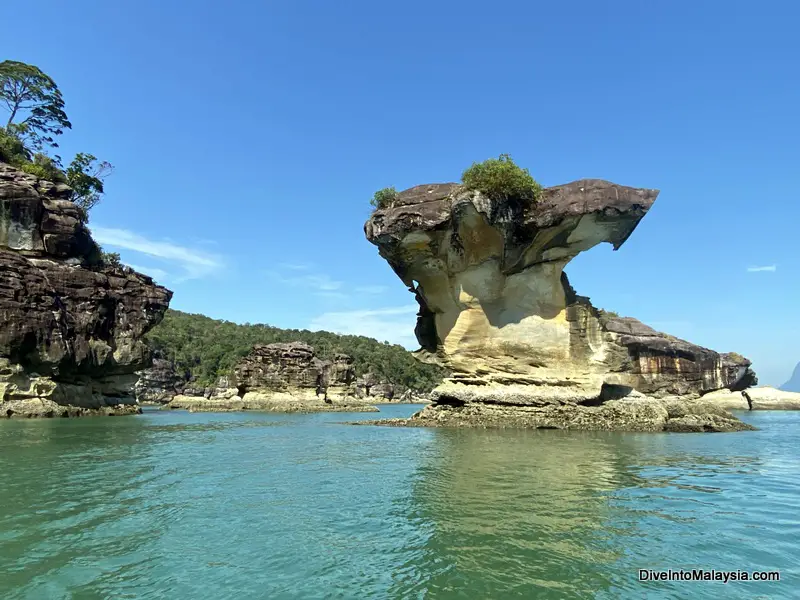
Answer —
12 150
44 167
501 179
384 197
110 259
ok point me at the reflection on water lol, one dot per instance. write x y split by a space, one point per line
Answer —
181 505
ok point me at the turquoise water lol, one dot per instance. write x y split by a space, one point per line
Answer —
245 505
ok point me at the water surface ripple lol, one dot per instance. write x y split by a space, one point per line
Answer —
178 505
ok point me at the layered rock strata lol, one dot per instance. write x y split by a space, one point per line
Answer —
497 309
159 383
72 330
284 377
370 386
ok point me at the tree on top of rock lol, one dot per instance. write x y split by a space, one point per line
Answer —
35 118
502 180
35 100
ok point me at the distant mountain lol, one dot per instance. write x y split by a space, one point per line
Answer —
793 385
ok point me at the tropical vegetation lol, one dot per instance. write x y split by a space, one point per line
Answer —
29 138
205 349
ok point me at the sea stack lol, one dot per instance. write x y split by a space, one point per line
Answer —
524 349
72 329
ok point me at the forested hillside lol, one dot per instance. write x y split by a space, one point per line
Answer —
207 348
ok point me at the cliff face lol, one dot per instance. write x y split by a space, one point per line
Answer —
497 309
71 336
160 382
293 367
283 377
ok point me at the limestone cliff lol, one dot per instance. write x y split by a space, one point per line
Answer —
496 307
71 335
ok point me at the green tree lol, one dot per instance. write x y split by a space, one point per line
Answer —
85 175
110 259
206 349
35 105
501 179
35 117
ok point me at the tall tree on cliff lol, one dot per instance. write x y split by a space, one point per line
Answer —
34 103
35 117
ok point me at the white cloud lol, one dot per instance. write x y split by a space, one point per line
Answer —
768 268
195 263
307 276
157 274
393 324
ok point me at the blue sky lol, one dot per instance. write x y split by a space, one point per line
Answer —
248 138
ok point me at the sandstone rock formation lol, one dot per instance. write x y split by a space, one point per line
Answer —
283 377
496 307
371 386
71 334
159 383
757 398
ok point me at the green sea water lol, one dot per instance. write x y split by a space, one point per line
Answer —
174 505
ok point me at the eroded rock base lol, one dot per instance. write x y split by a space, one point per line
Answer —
760 398
43 408
25 395
494 408
264 403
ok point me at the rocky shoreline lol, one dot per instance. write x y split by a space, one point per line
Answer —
267 404
678 416
756 398
286 377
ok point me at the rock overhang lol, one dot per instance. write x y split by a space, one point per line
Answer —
488 276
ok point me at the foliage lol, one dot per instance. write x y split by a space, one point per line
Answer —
44 167
34 100
86 176
12 149
501 179
110 259
609 314
207 349
736 357
27 92
384 197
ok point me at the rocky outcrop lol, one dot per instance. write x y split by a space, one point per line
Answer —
370 386
293 368
284 377
159 383
497 309
757 398
793 385
72 329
